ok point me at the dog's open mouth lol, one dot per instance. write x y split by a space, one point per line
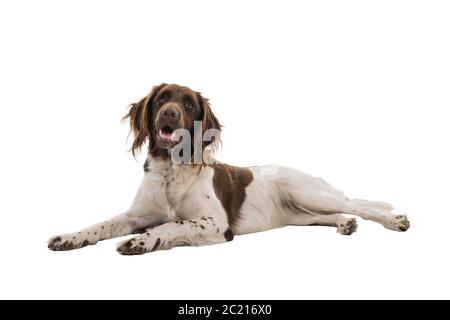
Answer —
167 133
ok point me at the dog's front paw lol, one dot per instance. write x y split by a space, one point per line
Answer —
131 247
138 245
68 242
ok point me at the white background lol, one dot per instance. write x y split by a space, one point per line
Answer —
356 92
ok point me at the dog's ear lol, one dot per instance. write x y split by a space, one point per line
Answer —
209 120
141 122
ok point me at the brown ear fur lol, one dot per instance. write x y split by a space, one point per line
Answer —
209 120
140 126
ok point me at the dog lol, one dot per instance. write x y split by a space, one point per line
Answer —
181 202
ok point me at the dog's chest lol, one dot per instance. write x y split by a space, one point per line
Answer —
175 190
182 193
177 187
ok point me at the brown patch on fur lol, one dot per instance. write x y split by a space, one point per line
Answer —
139 230
147 166
229 235
209 120
229 185
156 246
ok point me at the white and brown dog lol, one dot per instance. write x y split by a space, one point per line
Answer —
180 203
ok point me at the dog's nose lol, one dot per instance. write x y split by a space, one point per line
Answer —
170 113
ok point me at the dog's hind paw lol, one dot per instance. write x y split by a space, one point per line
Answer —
347 228
398 223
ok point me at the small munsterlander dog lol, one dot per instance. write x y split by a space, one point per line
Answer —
186 198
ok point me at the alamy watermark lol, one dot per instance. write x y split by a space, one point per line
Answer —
182 152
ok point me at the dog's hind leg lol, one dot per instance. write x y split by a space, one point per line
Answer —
322 202
378 212
301 194
344 225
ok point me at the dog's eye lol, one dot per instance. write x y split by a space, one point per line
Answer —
164 98
189 105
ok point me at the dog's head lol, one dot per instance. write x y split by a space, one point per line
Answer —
166 108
